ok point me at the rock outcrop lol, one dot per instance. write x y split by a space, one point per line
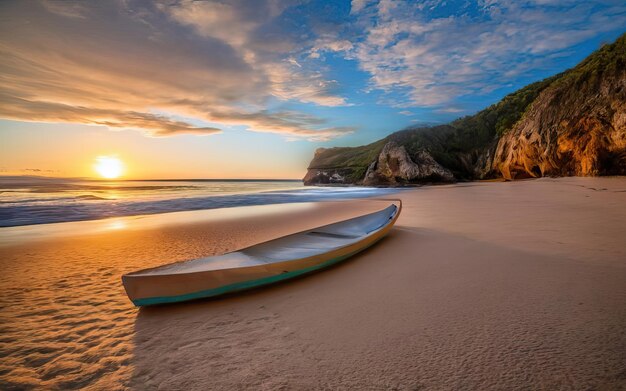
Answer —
327 176
395 167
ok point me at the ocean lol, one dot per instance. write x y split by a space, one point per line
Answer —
26 200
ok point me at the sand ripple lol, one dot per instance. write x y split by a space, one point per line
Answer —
65 323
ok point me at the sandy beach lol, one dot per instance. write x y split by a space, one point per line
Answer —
480 286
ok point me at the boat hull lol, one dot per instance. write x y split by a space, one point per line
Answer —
145 290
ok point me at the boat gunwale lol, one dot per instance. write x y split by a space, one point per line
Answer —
245 285
390 222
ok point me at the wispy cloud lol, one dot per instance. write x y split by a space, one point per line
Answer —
431 53
116 63
330 43
41 111
450 110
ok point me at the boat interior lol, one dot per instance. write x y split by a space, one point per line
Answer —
296 246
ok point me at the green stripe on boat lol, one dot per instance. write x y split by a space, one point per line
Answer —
244 285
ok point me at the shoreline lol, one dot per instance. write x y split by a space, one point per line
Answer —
510 285
83 205
22 234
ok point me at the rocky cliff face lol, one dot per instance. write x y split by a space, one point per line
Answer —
575 127
571 124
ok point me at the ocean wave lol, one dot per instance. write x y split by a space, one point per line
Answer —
26 201
84 207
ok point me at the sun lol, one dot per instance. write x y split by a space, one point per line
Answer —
109 167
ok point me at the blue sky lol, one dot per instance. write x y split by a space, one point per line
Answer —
251 88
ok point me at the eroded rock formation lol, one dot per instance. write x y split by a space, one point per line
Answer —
394 166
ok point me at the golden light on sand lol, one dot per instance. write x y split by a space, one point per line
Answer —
109 167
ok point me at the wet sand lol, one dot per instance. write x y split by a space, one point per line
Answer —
511 286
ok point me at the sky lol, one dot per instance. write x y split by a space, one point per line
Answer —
249 89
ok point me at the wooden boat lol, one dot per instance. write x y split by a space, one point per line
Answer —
265 263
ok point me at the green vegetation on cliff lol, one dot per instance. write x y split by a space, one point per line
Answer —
354 159
609 59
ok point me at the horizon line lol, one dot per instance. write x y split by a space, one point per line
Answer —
150 179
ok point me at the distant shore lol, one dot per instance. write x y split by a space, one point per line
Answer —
517 285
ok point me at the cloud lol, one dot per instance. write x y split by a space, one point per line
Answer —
116 63
293 61
358 5
250 29
426 55
450 110
294 124
330 44
69 9
155 125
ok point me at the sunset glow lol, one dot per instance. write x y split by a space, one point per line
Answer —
109 167
252 89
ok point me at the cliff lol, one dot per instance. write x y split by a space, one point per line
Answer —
575 127
573 123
